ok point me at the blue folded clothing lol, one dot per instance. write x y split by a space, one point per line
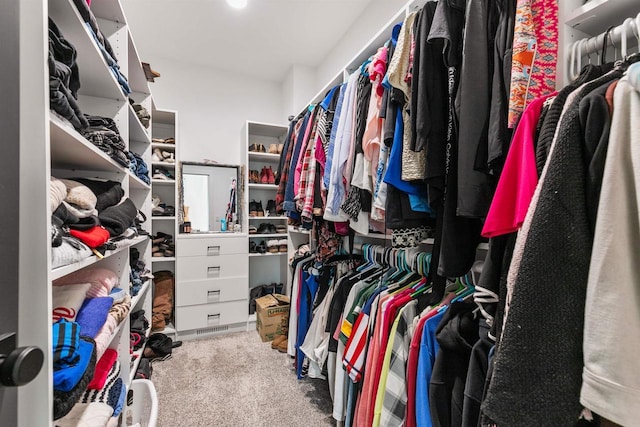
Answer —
65 338
66 379
93 314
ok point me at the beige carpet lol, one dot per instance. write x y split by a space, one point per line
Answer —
236 380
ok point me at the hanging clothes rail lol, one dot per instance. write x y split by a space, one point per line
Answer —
617 38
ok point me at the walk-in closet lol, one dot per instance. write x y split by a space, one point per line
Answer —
362 213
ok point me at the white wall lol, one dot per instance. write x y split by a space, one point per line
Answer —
298 86
212 107
374 17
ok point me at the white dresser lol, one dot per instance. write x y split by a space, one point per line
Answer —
211 284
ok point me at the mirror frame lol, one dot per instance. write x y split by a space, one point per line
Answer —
239 194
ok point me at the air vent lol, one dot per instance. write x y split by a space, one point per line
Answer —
205 331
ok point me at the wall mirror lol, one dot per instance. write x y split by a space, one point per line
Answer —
209 197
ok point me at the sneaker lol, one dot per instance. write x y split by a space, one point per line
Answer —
262 228
252 230
262 247
283 245
260 211
253 247
281 229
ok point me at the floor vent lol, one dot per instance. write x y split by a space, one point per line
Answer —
211 330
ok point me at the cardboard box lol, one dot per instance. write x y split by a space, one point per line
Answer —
272 315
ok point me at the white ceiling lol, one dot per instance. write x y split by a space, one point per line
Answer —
263 40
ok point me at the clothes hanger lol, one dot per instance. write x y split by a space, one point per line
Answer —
363 67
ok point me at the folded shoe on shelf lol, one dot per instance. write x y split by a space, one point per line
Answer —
272 246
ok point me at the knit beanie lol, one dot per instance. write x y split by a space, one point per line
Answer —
58 192
79 195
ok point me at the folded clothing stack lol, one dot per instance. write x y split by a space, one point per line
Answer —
86 214
139 167
103 44
141 112
64 78
96 407
139 273
104 134
74 361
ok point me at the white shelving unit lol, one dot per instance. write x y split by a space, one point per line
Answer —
71 155
165 125
269 267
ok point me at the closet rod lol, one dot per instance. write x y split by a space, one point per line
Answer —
617 38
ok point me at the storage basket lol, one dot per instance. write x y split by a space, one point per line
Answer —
142 404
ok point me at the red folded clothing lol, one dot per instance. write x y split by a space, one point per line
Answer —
93 237
103 367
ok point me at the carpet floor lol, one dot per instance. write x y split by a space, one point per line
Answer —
236 380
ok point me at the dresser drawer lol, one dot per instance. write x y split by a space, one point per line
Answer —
207 267
207 315
212 246
194 292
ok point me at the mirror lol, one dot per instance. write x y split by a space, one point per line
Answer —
208 197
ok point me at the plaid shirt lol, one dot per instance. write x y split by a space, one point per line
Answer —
286 165
307 187
395 395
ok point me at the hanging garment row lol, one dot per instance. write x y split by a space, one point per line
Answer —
390 354
413 142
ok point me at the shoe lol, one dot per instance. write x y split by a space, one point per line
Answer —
254 293
264 176
277 340
252 229
271 208
281 229
262 247
149 73
254 177
253 208
272 246
283 245
279 289
273 149
283 346
160 173
257 148
259 210
253 247
156 156
271 178
168 156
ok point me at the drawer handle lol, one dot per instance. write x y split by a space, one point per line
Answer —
213 295
213 271
213 250
213 318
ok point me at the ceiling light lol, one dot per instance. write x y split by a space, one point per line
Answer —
237 4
